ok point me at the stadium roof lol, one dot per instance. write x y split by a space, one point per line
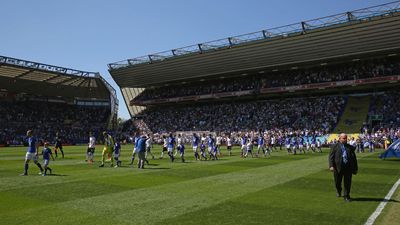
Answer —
374 30
17 75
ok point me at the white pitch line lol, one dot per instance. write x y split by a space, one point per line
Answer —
381 206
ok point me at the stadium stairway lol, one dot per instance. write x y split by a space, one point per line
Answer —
353 117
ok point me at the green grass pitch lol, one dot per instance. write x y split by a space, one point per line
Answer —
282 189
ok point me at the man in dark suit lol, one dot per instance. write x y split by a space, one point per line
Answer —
343 164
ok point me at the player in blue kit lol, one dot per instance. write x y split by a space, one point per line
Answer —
300 140
171 146
243 143
260 144
287 144
203 151
371 144
210 145
181 149
294 145
135 146
46 158
280 142
313 143
195 145
117 153
215 152
32 153
58 145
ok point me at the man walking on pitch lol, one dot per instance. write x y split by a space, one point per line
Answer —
141 151
343 164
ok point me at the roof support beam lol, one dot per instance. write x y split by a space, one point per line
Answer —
23 74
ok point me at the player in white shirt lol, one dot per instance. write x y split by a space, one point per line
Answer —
352 142
91 148
149 145
179 142
229 142
204 138
249 148
218 143
307 144
165 145
273 142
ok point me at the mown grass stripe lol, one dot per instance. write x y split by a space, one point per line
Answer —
69 169
381 206
177 199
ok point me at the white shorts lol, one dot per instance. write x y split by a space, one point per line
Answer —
46 162
300 146
170 149
31 156
312 145
210 149
195 148
116 155
287 146
134 151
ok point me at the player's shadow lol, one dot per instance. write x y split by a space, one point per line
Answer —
373 200
156 168
57 175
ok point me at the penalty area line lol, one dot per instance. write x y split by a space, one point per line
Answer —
381 206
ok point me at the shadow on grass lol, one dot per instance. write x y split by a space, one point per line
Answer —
391 159
156 168
57 175
152 164
373 200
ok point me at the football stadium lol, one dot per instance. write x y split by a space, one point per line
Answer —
297 124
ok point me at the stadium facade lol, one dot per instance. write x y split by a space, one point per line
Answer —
64 94
361 38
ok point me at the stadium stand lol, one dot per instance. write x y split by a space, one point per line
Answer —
385 110
307 76
289 114
51 99
343 72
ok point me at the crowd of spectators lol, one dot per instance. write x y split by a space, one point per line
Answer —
387 107
318 114
72 122
328 73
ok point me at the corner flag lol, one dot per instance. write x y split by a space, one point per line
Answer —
393 151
